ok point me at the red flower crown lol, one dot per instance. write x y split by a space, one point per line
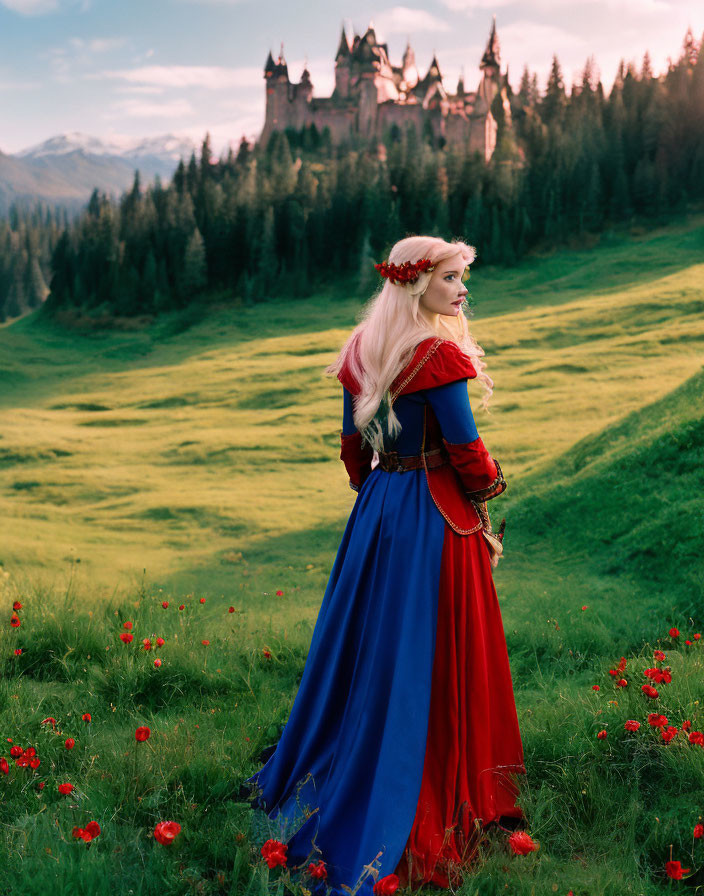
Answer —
408 272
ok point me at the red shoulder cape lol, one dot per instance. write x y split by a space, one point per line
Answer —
435 361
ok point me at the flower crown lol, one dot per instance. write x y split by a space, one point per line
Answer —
408 272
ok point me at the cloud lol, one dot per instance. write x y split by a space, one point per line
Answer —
403 20
133 108
211 77
629 7
31 7
97 45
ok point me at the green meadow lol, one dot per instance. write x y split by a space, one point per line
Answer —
197 456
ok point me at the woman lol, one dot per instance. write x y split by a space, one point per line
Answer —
403 740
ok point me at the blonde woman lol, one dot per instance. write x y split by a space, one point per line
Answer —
403 740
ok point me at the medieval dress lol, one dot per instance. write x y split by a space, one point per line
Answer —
403 739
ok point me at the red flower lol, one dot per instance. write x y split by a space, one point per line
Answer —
386 886
649 690
602 735
698 831
165 604
16 751
93 829
522 843
230 609
15 620
81 834
407 272
17 605
34 762
157 662
202 600
205 642
50 721
274 853
674 633
631 725
318 870
142 733
267 654
584 607
668 733
686 725
18 651
182 606
126 637
160 642
696 737
675 869
621 683
165 831
147 644
279 593
127 625
69 743
697 636
65 788
595 687
656 719
86 717
41 785
4 767
658 654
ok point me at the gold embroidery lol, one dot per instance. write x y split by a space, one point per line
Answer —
433 348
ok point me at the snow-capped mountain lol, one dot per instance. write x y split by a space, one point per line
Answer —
65 169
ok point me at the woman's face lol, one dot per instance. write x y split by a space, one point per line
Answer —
446 291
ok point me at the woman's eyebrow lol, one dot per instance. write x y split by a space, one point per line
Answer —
451 272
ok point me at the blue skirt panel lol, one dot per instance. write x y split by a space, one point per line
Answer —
359 722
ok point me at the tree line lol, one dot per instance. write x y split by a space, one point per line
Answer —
288 217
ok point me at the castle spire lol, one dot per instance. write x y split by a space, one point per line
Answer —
269 65
343 49
492 53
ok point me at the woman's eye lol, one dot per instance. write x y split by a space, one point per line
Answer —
450 276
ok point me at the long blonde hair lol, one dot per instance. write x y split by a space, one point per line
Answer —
389 330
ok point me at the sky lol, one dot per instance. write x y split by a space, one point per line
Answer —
129 69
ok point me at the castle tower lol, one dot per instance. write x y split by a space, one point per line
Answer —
277 94
409 70
342 67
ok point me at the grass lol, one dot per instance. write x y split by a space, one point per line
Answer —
199 459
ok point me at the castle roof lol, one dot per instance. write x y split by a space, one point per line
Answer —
492 53
344 49
269 65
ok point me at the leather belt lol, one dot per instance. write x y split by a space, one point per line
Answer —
392 462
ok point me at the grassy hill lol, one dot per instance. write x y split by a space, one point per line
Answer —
198 456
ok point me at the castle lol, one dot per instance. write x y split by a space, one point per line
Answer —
371 96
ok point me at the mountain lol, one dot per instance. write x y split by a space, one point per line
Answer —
66 168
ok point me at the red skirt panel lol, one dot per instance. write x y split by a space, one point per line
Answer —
473 749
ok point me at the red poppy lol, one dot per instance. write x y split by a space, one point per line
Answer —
127 625
18 651
165 831
17 605
522 843
267 654
34 762
165 604
318 870
65 788
675 870
656 719
160 642
182 606
93 829
15 621
230 609
16 751
697 636
584 607
386 886
668 733
41 785
69 743
86 717
674 632
4 767
595 687
698 831
202 600
631 725
279 593
205 642
81 834
658 654
649 691
50 721
142 733
686 725
157 662
30 751
274 852
602 735
126 637
621 683
147 644
696 737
